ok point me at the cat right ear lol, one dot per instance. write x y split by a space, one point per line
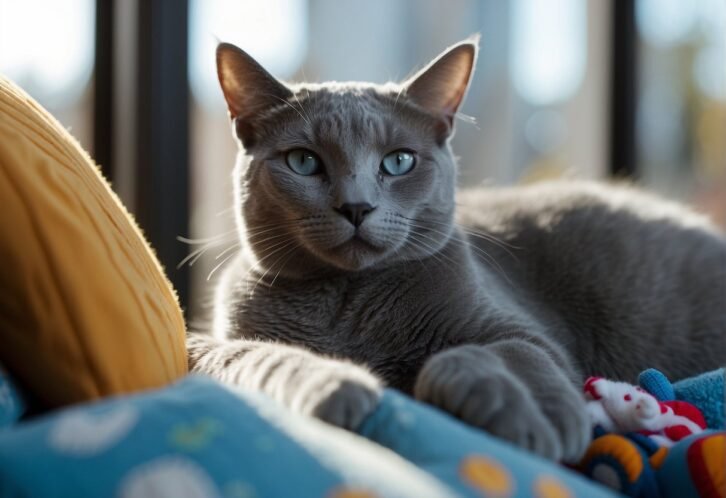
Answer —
247 87
441 86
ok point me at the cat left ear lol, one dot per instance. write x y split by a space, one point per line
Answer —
248 89
441 86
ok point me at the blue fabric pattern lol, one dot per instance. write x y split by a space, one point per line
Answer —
195 439
471 462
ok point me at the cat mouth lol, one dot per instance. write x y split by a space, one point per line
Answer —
358 242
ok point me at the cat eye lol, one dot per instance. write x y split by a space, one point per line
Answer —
303 162
398 163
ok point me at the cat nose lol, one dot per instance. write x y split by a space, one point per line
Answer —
355 212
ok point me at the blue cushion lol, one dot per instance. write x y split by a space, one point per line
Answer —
197 439
469 461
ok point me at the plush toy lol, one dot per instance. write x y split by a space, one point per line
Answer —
637 467
651 440
621 407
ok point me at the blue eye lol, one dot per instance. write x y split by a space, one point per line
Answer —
398 163
303 162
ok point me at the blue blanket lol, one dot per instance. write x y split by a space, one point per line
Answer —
198 438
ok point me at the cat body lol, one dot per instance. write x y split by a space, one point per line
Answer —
555 267
360 269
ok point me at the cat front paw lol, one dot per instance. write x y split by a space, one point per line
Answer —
340 394
482 392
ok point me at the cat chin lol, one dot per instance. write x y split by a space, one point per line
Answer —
355 255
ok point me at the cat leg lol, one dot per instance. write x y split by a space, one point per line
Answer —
514 390
338 392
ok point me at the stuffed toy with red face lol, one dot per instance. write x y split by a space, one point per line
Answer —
653 440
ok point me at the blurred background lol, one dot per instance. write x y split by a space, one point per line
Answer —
563 88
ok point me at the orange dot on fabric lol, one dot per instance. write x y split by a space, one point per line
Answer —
549 487
487 475
657 458
352 493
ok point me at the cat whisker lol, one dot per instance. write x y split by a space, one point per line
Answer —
277 223
433 253
198 255
486 236
490 238
299 104
290 106
191 241
265 257
467 119
438 252
290 253
487 257
267 228
193 256
217 240
225 211
268 239
474 233
230 248
285 245
221 263
398 95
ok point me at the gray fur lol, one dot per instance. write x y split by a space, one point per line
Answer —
494 308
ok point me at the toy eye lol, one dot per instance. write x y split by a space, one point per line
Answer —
398 163
303 162
627 397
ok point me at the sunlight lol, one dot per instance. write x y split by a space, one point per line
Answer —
47 46
549 46
274 32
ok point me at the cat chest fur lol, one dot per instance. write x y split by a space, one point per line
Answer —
390 321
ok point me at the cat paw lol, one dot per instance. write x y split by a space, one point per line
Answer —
341 395
483 393
566 410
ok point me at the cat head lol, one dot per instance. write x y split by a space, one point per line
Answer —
344 176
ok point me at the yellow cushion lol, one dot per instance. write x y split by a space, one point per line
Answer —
85 309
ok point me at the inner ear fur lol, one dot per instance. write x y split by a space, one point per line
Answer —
247 87
441 86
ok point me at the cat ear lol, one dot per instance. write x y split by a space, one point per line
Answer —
441 86
247 87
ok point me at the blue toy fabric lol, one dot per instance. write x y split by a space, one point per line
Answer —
196 439
12 405
468 460
657 384
675 475
706 392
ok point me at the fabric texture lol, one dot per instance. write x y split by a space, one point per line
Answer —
469 461
83 300
706 390
198 439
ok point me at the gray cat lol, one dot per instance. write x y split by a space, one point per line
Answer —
355 274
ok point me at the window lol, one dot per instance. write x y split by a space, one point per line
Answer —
47 48
681 115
